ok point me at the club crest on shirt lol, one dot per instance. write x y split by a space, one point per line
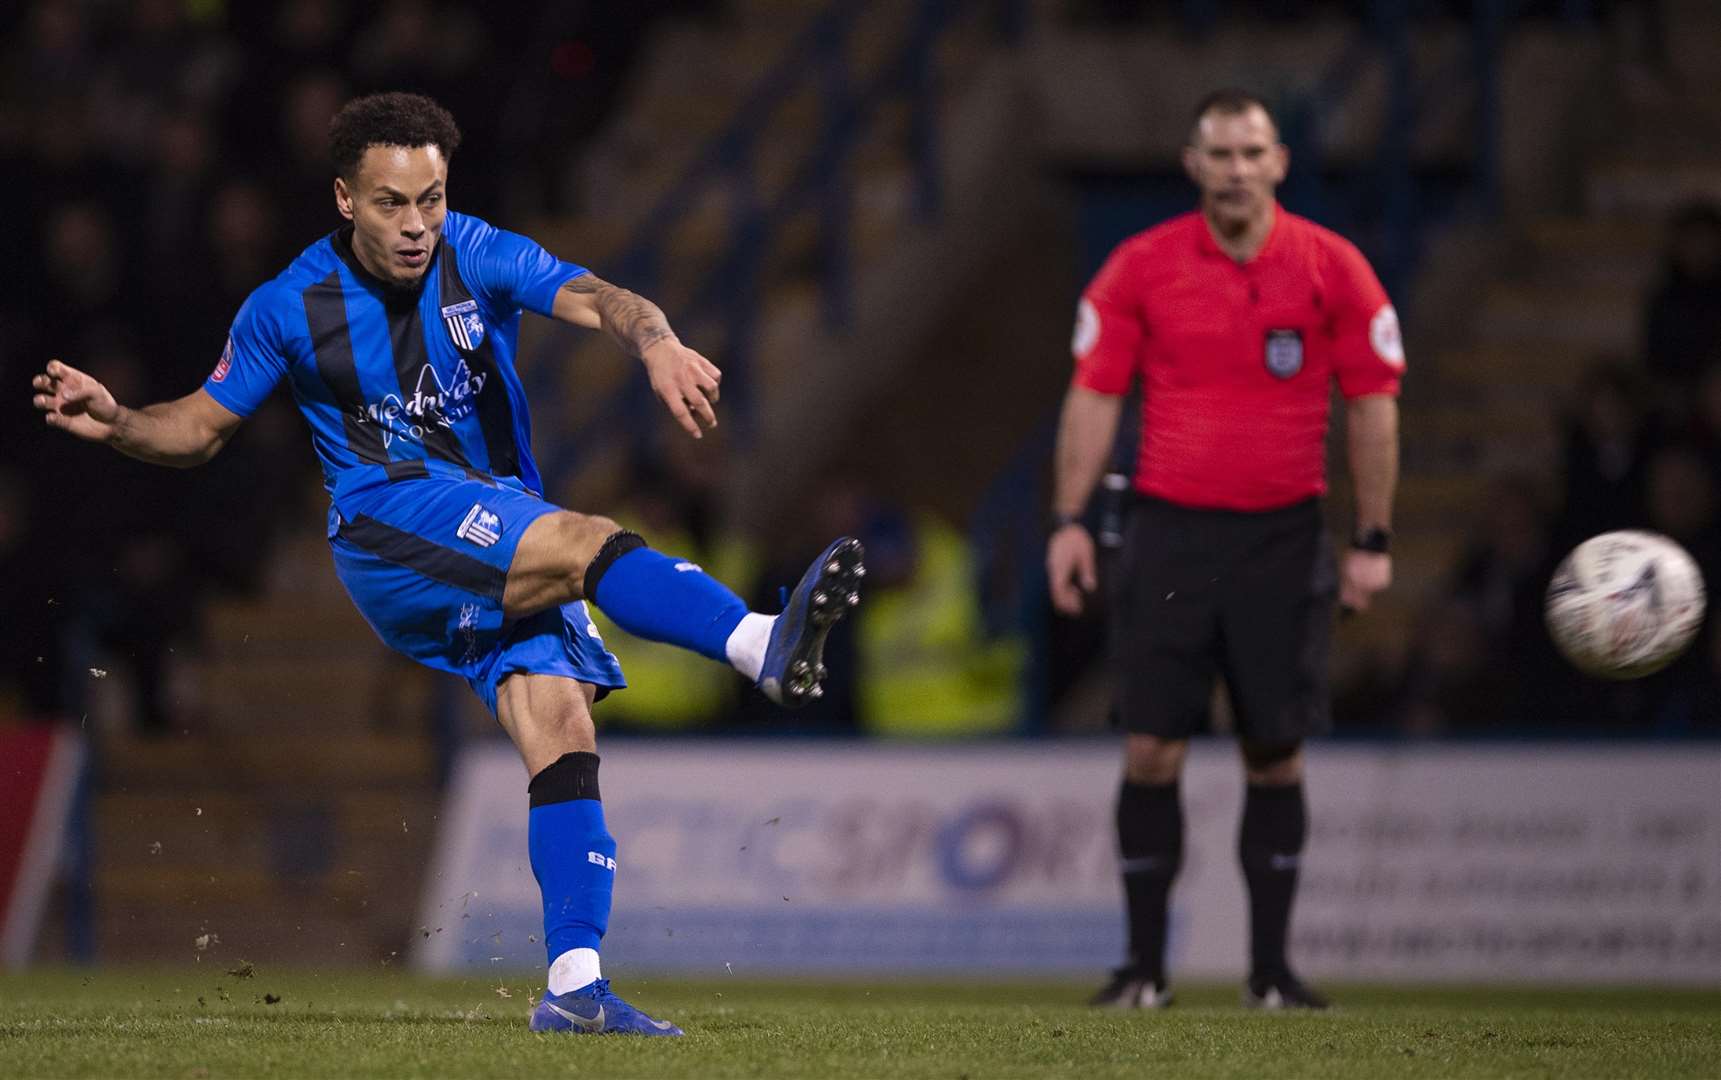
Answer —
464 324
1284 354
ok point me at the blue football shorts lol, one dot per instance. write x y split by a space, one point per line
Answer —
425 561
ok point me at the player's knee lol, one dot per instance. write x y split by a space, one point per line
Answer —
577 538
1152 760
1273 763
590 531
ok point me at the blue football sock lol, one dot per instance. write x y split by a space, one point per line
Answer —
573 855
659 598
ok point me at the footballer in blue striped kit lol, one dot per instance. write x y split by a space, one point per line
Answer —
396 335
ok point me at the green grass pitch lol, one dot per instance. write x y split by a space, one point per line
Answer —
201 1021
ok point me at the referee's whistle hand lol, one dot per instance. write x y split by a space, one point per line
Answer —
1071 569
1361 575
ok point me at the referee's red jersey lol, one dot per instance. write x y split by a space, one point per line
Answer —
1236 358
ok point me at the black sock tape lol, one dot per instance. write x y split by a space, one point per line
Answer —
615 547
572 776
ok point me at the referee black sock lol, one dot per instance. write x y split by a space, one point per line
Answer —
1270 844
1150 840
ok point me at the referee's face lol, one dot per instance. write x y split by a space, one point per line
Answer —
396 203
1237 161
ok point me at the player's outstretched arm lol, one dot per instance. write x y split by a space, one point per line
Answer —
683 380
180 433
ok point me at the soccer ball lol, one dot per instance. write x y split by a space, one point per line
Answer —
1624 604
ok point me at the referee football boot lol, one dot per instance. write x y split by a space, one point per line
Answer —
1131 989
1278 991
593 1010
793 671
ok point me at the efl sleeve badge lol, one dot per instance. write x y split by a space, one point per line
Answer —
1384 336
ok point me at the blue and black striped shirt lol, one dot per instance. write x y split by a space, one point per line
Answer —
392 380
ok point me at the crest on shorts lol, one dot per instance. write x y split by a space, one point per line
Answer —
1284 352
464 324
480 526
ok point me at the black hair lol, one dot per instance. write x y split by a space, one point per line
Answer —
394 119
1697 214
1229 101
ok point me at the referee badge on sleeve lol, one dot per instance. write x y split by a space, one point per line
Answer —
1284 353
1087 333
1384 335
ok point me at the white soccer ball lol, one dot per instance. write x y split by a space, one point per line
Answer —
1625 604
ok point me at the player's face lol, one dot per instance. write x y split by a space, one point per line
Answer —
1237 161
396 204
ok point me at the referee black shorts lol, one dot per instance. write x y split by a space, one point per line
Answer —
1243 596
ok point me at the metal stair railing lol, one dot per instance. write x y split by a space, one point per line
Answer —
733 290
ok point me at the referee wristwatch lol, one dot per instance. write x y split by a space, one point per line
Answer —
1058 521
1374 538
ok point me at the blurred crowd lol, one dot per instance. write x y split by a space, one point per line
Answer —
1640 449
161 159
166 157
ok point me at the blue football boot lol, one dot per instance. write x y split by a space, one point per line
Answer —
792 672
593 1010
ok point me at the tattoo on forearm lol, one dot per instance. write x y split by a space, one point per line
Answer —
631 319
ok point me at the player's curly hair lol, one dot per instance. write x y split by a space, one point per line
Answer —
393 119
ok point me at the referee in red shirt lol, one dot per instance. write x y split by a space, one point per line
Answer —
1237 318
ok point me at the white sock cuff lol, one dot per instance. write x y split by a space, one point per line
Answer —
572 970
747 642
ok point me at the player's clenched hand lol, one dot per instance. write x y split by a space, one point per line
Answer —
75 403
685 382
1072 568
1363 574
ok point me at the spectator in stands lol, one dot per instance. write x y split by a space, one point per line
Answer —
127 576
1608 439
235 246
83 267
51 59
308 104
30 656
1494 598
1704 430
1705 712
673 500
1682 320
176 191
1684 502
1449 682
241 237
848 504
933 669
